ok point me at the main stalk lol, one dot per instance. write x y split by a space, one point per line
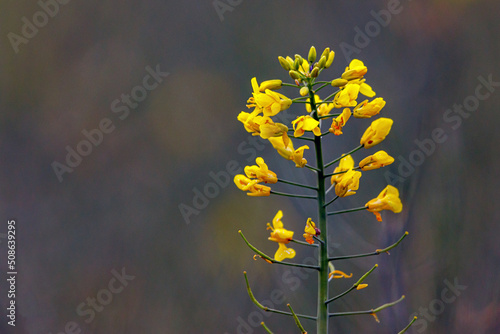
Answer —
322 311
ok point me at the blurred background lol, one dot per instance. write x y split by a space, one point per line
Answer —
163 82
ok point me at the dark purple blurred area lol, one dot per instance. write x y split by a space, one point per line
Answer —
118 208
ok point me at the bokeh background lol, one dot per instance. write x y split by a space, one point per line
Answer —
119 208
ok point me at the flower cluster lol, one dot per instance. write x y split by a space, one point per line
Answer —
339 107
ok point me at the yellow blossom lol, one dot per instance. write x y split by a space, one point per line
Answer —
310 231
347 96
345 164
364 88
348 184
355 70
261 172
282 236
269 102
305 123
375 161
263 126
388 199
339 122
251 121
255 189
368 109
288 152
325 108
376 132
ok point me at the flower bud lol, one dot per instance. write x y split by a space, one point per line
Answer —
284 63
304 91
339 82
314 72
322 62
329 61
296 63
325 53
270 84
294 75
312 54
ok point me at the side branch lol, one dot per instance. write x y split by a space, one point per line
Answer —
377 252
292 195
345 211
352 151
372 311
267 309
269 259
297 184
354 286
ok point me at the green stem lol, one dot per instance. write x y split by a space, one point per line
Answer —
343 155
322 308
345 211
292 195
377 252
331 174
266 328
330 96
312 167
321 87
297 321
297 184
409 325
372 311
333 200
289 85
303 243
267 309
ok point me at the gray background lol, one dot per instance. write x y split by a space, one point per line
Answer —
119 208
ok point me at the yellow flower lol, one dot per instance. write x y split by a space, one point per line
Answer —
251 121
310 231
375 161
261 172
355 70
288 152
255 189
325 108
282 236
388 199
368 109
347 96
376 132
263 126
339 122
345 164
348 184
269 102
305 123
